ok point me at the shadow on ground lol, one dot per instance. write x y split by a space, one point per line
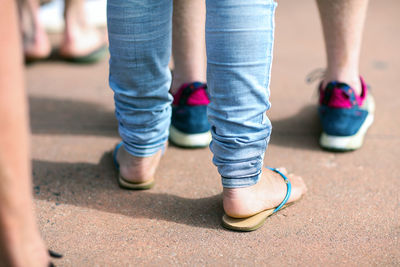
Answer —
95 187
299 131
60 116
64 116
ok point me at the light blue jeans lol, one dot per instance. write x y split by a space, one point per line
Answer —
239 40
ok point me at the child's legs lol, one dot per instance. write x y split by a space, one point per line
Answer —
343 23
140 44
239 38
188 47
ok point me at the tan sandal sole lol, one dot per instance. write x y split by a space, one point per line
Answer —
250 223
134 186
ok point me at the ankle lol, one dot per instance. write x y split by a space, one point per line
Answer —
178 81
353 80
176 84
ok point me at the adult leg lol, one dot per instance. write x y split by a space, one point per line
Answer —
239 39
20 241
80 38
140 47
343 23
188 42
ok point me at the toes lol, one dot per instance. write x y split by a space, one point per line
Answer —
295 179
298 182
282 170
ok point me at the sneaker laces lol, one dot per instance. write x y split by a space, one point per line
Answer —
316 74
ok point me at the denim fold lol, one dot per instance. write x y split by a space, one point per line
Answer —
239 40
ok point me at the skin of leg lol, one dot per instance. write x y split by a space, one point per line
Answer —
35 41
343 23
20 241
188 42
79 37
239 52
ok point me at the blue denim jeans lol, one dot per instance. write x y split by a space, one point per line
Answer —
239 40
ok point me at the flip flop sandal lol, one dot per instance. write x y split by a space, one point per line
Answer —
35 59
30 60
123 183
256 221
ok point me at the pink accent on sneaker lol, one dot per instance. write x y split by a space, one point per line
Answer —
197 98
177 95
339 99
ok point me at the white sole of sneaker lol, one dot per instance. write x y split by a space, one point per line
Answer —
353 142
189 140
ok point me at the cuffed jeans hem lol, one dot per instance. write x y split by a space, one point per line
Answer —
144 152
240 182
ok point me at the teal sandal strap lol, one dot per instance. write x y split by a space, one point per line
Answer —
288 185
115 154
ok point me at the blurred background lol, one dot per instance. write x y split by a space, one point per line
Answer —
51 14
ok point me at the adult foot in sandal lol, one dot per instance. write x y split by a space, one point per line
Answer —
268 193
35 41
137 170
36 45
81 42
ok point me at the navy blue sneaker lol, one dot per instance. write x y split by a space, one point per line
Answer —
189 125
345 116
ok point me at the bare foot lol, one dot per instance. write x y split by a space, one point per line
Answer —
37 46
137 169
268 193
80 41
35 40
